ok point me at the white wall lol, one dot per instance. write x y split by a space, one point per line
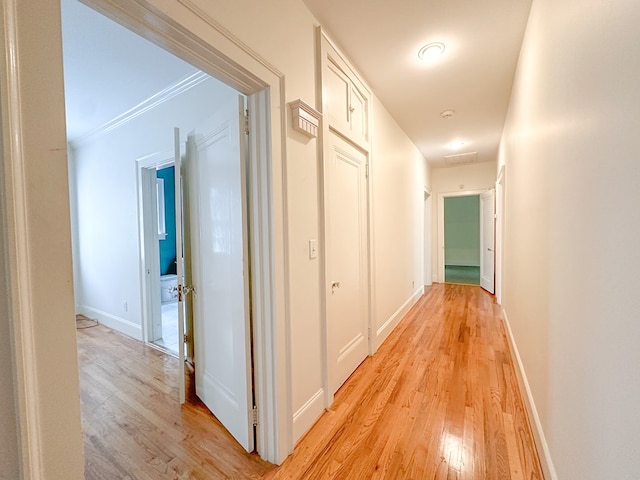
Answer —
455 180
103 175
399 175
572 231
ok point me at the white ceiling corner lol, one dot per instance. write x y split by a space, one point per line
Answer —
109 70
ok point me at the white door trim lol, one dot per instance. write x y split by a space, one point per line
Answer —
222 56
441 197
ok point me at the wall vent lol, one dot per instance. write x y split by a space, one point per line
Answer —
461 158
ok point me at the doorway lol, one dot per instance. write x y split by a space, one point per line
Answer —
257 191
473 243
462 240
157 220
239 67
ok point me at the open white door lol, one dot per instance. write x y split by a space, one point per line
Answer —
219 251
487 240
180 262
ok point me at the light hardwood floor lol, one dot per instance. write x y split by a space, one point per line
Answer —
439 400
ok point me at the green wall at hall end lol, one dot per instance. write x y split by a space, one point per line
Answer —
462 231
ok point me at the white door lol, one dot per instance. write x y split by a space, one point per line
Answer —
487 241
182 281
346 257
217 204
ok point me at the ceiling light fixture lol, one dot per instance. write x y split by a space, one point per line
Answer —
447 114
431 51
456 144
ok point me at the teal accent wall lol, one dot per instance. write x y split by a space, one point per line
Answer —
168 245
462 231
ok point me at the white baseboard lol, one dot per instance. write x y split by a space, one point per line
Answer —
387 327
112 321
307 415
538 434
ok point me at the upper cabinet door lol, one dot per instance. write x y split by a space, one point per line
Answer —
345 99
359 110
336 91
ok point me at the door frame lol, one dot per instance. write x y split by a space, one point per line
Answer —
441 197
222 56
323 45
499 238
427 239
249 74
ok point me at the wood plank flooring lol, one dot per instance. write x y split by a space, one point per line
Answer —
439 400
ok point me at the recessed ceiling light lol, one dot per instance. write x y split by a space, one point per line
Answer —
431 51
456 144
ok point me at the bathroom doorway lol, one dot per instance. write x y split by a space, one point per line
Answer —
166 217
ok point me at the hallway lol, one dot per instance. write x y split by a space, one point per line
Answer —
439 400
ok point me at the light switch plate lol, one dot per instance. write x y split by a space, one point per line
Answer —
313 249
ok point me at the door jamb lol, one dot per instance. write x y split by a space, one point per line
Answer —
427 239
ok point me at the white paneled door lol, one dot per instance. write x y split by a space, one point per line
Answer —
487 241
217 199
346 260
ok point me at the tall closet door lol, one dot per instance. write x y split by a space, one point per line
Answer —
346 257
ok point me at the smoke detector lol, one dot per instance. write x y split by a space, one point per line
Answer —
447 114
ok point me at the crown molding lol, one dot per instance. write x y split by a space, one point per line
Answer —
153 101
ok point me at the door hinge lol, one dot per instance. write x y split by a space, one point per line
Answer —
185 338
254 416
366 171
369 332
246 122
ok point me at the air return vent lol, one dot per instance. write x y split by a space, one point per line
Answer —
461 158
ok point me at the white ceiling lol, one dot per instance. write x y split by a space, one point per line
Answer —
108 69
473 77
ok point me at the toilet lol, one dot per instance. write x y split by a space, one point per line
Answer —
168 288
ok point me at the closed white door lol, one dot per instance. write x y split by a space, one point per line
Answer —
487 241
222 349
346 257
